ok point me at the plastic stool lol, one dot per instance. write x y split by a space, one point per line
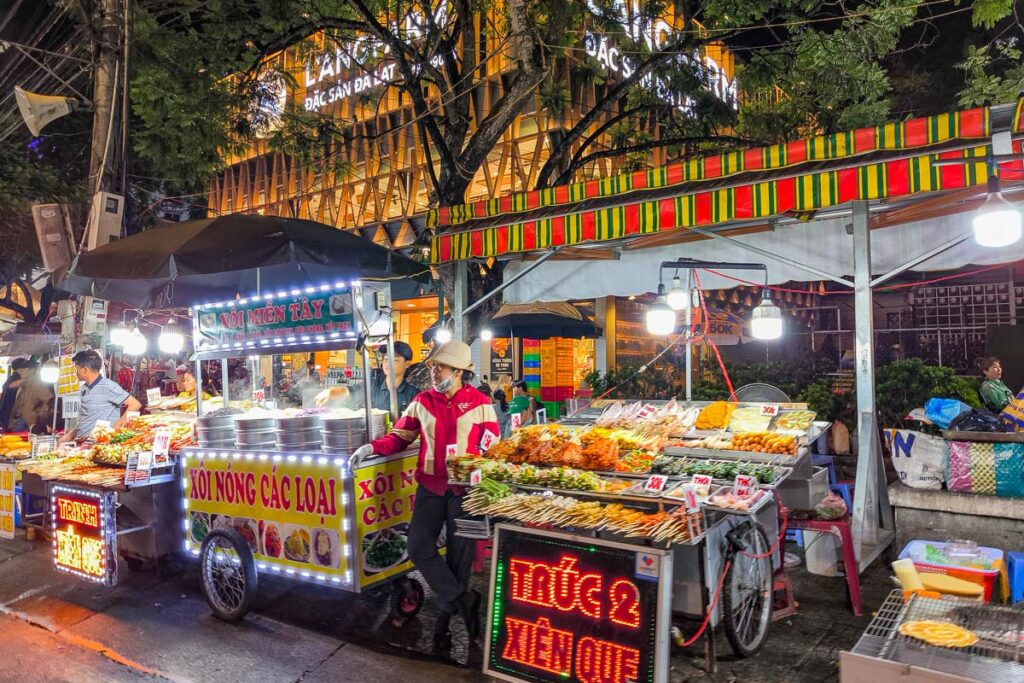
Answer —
484 548
1015 574
826 461
845 491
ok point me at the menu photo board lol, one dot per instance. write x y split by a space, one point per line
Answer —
299 315
574 608
84 533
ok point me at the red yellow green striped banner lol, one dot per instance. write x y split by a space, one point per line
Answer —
762 199
910 134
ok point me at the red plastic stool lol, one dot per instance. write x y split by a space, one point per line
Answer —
840 528
484 549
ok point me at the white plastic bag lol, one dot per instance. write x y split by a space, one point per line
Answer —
919 459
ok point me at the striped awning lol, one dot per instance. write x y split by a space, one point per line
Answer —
893 160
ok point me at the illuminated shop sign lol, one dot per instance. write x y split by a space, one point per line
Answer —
569 608
84 538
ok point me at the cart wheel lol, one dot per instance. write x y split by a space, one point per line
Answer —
227 574
747 593
407 598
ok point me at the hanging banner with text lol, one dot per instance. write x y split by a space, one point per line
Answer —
570 608
305 313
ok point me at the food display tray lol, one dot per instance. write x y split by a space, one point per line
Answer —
732 511
749 456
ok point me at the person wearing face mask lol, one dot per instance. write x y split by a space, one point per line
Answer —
450 419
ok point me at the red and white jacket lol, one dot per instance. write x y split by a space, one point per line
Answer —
440 422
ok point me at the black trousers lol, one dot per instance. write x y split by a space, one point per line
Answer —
447 576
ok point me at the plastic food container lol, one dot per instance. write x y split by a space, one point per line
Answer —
986 578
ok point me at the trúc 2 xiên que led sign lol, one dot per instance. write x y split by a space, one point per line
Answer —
84 533
569 608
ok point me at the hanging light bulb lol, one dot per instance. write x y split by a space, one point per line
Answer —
171 340
118 334
486 334
135 344
661 319
442 335
766 319
997 222
49 372
678 298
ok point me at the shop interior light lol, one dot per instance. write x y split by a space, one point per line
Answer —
118 334
49 372
442 335
997 222
171 340
661 319
766 319
135 344
486 334
678 298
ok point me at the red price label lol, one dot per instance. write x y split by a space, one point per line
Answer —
744 485
516 420
690 496
259 396
655 483
475 477
771 410
487 440
702 480
647 410
161 442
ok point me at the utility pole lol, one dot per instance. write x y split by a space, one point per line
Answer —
108 41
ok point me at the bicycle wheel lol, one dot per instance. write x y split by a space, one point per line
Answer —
227 574
747 593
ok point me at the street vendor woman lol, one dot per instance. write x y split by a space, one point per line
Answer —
187 383
994 392
450 419
102 399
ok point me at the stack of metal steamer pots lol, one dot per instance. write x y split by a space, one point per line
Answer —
298 433
256 433
345 434
216 431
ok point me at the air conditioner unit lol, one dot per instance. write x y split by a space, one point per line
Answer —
94 316
104 219
52 235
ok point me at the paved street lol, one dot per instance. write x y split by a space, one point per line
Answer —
55 628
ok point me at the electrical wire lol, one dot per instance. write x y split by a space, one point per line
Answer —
711 606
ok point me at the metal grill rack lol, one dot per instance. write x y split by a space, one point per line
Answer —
997 656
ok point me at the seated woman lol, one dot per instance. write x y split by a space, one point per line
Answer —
994 393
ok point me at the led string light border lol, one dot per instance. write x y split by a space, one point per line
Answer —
319 578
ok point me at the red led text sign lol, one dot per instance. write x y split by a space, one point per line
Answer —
83 533
570 609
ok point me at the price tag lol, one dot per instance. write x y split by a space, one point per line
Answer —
152 395
41 445
655 483
161 443
489 439
690 497
647 410
516 420
770 409
475 477
259 395
145 461
71 405
744 485
702 480
541 416
451 451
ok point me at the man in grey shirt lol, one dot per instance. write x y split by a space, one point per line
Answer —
102 398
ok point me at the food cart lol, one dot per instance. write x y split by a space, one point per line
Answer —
592 564
282 500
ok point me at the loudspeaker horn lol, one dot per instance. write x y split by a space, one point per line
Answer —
39 110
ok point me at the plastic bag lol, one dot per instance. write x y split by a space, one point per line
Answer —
977 421
830 507
919 459
942 411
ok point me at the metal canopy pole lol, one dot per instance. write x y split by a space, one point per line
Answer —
870 493
459 308
508 283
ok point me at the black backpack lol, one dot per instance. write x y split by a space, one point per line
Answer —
977 420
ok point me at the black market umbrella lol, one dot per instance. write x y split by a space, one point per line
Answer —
216 258
542 321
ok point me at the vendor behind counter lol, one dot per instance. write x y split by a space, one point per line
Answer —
380 394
